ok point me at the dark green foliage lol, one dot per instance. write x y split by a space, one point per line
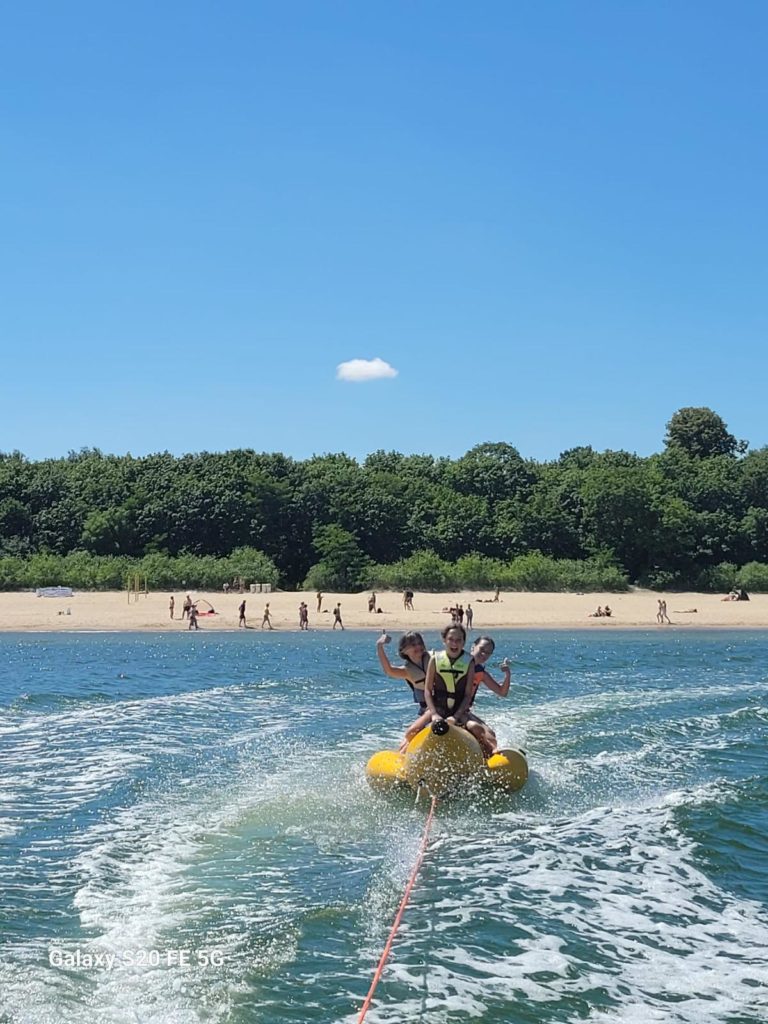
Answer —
342 564
701 433
590 520
753 576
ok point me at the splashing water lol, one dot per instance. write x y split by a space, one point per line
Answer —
204 800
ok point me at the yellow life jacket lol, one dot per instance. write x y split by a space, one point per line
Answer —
453 679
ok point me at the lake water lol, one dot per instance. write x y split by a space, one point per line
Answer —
195 807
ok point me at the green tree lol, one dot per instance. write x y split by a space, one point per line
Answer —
619 515
342 564
702 433
109 532
492 471
754 535
754 478
551 521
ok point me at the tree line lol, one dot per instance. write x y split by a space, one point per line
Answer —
693 515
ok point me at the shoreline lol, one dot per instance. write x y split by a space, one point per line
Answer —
111 612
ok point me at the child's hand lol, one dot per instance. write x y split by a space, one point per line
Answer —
505 665
383 639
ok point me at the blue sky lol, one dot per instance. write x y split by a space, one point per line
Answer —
549 218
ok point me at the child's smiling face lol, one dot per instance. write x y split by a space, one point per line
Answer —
481 652
454 642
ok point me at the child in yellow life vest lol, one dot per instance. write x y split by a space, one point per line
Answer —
450 686
481 651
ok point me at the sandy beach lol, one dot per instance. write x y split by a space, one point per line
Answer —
88 611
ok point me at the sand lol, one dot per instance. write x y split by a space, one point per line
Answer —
87 611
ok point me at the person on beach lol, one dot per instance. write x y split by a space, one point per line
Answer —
661 614
413 651
337 616
468 616
266 621
319 597
303 616
408 600
372 602
241 613
192 613
171 605
186 607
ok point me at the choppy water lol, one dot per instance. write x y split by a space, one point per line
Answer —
204 796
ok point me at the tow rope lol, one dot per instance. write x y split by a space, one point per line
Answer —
400 910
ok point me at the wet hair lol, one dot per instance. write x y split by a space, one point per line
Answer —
407 639
444 632
485 640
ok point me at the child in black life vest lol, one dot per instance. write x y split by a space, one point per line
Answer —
481 651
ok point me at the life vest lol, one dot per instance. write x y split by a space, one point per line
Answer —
415 676
451 679
478 674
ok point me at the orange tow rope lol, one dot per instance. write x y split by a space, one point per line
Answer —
399 915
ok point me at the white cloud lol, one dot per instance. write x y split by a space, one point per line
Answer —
364 369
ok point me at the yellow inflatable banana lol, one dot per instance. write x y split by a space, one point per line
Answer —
443 760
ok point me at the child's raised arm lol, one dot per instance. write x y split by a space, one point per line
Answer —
500 689
394 671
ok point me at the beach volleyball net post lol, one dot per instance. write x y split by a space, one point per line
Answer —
136 584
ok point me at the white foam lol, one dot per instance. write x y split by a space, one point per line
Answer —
618 880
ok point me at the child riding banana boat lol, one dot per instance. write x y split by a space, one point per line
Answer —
448 747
